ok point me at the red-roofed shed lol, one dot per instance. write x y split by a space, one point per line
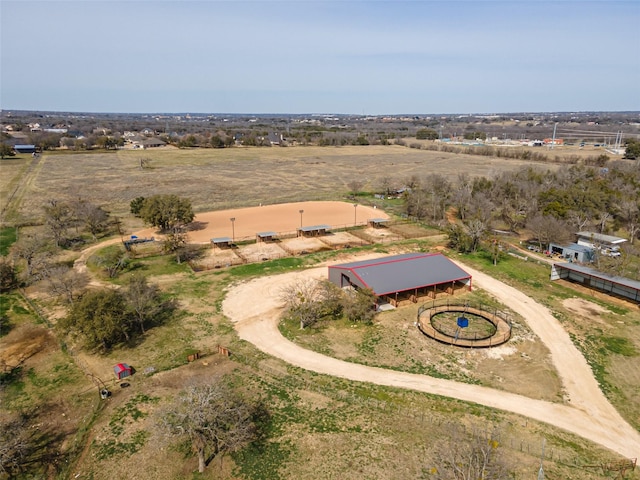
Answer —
122 370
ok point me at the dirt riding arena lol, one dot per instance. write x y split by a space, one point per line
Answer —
283 219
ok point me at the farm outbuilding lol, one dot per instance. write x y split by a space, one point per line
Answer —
122 370
222 242
405 277
25 148
313 230
266 236
378 222
573 252
614 285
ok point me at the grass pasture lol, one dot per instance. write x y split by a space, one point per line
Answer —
320 427
217 179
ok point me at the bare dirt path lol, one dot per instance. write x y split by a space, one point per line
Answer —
587 414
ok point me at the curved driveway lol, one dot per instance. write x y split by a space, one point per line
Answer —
255 309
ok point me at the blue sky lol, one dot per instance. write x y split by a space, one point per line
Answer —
332 56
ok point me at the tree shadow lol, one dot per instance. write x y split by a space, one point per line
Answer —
196 225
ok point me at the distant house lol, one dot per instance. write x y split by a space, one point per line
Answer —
275 138
152 143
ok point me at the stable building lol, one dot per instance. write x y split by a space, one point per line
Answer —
591 278
403 278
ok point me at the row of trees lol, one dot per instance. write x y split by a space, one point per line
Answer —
550 204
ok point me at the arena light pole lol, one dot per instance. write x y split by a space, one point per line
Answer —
301 212
355 210
233 229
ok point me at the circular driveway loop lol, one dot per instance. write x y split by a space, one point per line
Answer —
255 307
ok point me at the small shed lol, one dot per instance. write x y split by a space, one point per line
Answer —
313 230
222 242
266 236
378 222
122 370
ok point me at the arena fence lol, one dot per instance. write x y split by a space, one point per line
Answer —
500 319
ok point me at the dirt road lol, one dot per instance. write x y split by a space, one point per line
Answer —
587 412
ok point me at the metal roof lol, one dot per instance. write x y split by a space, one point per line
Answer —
221 240
408 271
266 234
627 282
601 238
313 228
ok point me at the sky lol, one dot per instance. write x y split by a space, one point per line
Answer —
324 56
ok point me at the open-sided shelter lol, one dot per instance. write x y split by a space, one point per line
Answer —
403 277
313 230
589 277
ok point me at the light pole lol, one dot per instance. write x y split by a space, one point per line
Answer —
355 210
233 229
301 212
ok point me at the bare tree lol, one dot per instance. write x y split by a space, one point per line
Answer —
145 300
34 250
310 300
547 228
630 212
355 186
470 455
214 419
65 282
58 219
476 229
91 216
14 445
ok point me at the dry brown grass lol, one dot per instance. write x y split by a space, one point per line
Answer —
229 178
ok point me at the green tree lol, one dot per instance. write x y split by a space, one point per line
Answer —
459 239
426 134
6 151
632 149
136 205
112 260
213 419
175 243
359 305
167 212
101 318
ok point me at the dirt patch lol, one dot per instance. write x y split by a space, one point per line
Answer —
584 308
262 251
302 245
217 257
342 240
23 343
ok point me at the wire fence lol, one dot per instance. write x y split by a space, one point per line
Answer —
413 413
